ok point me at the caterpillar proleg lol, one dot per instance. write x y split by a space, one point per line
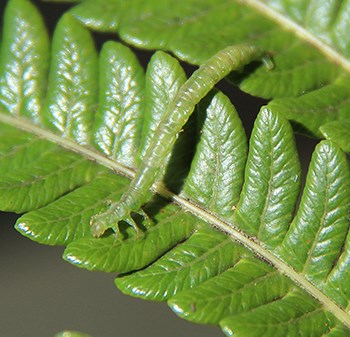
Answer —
232 58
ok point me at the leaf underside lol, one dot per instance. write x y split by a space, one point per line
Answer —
70 123
308 42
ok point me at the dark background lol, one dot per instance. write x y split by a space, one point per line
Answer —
40 294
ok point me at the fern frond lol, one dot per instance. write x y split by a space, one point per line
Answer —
268 271
309 44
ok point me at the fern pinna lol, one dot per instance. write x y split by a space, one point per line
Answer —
176 115
268 271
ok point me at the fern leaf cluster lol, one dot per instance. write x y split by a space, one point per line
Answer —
308 40
234 247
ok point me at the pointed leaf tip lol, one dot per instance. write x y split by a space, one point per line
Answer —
73 81
272 180
24 60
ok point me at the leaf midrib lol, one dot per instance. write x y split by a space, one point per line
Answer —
332 54
204 214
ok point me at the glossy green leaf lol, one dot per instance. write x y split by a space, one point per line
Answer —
312 110
238 289
272 181
24 60
184 267
282 318
326 240
36 172
67 219
208 28
326 20
236 250
72 87
163 79
131 251
118 119
319 232
216 176
339 132
306 40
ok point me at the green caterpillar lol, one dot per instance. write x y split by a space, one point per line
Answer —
232 58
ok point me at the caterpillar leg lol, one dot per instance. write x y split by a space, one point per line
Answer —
115 213
145 216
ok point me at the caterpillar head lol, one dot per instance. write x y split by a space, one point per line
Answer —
110 218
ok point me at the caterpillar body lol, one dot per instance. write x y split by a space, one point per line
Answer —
232 58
